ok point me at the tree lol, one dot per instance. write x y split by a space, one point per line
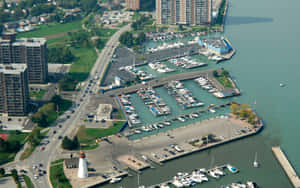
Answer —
140 39
14 174
215 73
235 108
70 144
225 73
2 171
126 39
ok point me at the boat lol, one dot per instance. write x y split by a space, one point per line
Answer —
167 123
177 183
181 119
115 180
255 163
232 169
213 174
212 110
281 84
219 172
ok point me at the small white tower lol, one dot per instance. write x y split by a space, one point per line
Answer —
82 168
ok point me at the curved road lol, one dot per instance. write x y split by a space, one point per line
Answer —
69 125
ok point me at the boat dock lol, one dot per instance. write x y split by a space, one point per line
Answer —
222 167
287 167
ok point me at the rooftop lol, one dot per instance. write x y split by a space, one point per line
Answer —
217 42
12 68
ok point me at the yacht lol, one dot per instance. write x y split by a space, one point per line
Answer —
181 119
177 183
232 169
281 84
219 172
167 123
213 174
212 110
115 180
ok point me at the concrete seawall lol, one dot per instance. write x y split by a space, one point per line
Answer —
287 167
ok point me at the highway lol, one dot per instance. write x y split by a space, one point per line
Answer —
69 125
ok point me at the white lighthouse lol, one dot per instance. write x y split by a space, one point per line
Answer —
82 168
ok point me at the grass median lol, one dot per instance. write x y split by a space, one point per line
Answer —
57 176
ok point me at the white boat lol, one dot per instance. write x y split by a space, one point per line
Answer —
203 177
212 110
281 84
219 172
255 163
232 169
250 184
181 119
213 174
167 123
115 180
177 183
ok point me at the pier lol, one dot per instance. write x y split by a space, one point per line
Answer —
287 167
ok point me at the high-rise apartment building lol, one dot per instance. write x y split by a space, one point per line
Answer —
133 4
188 12
30 51
14 94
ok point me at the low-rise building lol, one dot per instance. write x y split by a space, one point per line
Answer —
216 44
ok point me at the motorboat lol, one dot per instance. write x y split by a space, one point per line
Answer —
232 169
115 180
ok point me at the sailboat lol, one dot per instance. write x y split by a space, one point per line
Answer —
255 163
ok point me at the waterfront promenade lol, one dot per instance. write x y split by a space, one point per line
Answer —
285 164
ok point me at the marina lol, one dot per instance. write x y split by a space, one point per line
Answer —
155 104
182 95
187 63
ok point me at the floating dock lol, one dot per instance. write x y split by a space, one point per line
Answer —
287 167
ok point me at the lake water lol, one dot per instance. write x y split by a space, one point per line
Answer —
266 36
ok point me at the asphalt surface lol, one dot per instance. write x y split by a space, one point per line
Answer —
44 157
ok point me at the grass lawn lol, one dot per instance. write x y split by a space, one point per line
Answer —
47 30
87 136
28 182
86 57
37 95
224 81
58 178
57 161
28 151
58 41
14 136
105 32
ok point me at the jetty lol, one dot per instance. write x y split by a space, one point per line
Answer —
287 167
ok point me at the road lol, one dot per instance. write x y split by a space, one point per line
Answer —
69 125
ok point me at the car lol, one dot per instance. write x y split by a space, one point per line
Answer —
41 165
59 126
23 171
59 137
45 172
42 148
35 177
81 100
68 116
54 132
34 167
72 111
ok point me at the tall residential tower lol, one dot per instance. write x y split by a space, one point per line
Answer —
14 94
31 51
187 12
133 4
